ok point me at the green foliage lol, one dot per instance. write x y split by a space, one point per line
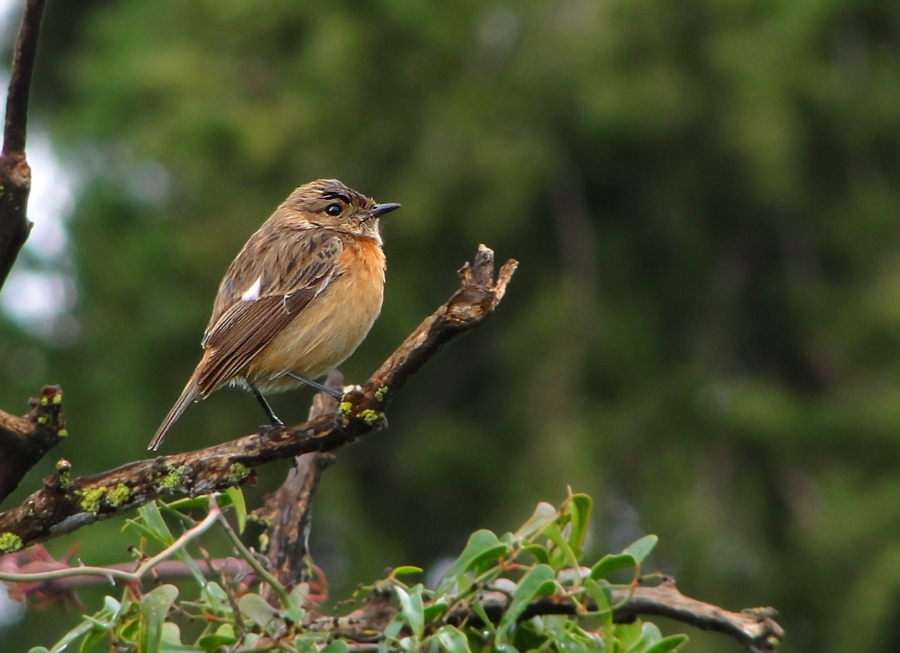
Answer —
153 622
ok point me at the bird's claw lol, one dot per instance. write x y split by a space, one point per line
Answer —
269 428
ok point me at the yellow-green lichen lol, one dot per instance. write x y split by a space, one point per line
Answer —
57 399
369 416
43 419
65 477
10 543
118 495
90 499
43 401
239 471
173 476
345 407
381 392
263 542
63 433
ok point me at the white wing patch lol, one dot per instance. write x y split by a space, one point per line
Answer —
252 293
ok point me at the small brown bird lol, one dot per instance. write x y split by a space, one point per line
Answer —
296 301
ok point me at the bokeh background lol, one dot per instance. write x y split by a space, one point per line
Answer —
704 333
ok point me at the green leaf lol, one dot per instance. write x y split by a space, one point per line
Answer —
610 563
413 609
525 593
568 557
642 548
337 646
216 600
81 629
453 640
171 635
602 597
538 552
566 637
240 507
403 571
482 546
214 642
390 633
548 588
577 510
224 636
96 633
435 611
190 503
650 635
153 521
257 610
479 611
544 514
38 649
154 608
297 599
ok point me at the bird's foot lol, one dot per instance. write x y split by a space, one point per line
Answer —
276 425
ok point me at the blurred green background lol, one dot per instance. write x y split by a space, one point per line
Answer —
704 333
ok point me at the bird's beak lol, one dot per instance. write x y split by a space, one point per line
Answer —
380 209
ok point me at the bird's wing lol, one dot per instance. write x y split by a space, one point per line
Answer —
281 279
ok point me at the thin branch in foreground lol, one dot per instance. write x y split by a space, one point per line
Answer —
65 504
117 573
15 174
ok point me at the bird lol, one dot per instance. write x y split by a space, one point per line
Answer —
297 300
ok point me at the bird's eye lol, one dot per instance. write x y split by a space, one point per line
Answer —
334 209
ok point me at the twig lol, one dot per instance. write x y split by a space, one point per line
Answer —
114 573
251 560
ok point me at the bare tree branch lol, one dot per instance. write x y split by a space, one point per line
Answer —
25 440
15 174
65 504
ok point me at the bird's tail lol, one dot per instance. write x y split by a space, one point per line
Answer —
188 395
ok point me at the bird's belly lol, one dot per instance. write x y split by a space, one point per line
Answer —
322 335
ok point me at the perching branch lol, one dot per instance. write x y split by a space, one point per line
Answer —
64 505
15 174
118 573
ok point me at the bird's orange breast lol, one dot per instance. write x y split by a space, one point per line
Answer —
331 326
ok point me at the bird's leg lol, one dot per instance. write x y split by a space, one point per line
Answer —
337 394
273 418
